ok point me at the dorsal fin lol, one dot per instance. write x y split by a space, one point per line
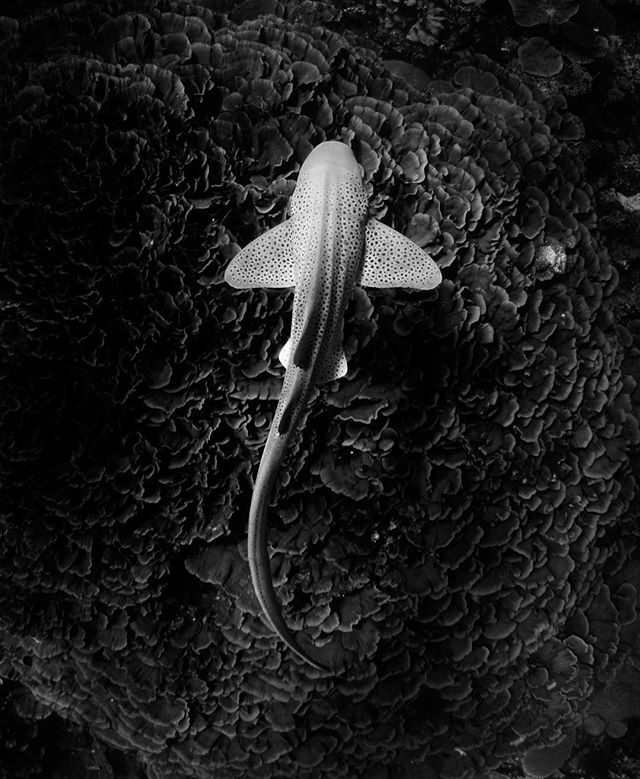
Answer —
393 260
268 261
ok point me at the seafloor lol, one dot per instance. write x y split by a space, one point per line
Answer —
456 529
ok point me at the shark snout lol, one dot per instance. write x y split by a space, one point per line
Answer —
333 154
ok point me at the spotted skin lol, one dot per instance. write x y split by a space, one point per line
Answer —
326 247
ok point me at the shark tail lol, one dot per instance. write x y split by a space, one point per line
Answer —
257 544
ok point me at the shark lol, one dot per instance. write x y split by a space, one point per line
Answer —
325 248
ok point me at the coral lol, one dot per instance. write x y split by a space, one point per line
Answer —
413 75
544 761
454 520
528 13
551 258
539 57
428 28
583 30
38 743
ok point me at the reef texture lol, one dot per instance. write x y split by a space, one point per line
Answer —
581 28
456 521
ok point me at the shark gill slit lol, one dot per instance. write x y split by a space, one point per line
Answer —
257 549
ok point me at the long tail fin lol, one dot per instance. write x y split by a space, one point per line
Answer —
272 457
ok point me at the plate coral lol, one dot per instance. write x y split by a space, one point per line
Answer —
457 520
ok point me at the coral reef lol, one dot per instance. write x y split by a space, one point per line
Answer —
582 29
37 743
457 519
539 57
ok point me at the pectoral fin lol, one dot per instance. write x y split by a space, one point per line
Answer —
268 261
393 260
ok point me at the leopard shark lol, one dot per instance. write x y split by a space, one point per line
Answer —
326 247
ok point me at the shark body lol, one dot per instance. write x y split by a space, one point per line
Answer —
326 247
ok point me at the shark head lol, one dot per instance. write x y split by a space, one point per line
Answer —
329 184
330 193
332 155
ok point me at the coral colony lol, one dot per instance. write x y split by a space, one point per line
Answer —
453 526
